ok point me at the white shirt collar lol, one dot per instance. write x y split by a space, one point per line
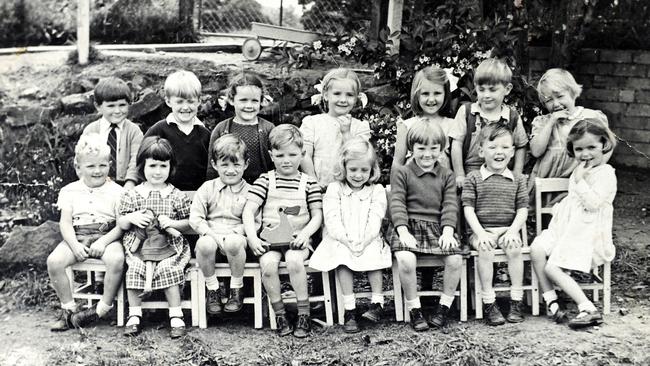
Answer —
485 173
145 190
195 121
104 125
363 193
475 108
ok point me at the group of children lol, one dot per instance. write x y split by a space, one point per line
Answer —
323 175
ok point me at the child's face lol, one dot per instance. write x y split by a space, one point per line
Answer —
183 109
431 97
156 172
558 99
340 97
247 102
497 153
490 96
287 159
92 169
230 172
426 155
588 149
114 111
357 173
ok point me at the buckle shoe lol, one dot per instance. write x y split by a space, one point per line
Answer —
586 319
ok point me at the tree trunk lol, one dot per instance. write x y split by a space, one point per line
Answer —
185 16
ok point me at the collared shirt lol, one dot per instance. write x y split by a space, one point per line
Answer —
184 127
219 207
90 205
105 128
485 173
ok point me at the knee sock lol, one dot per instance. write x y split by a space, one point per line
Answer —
446 300
212 282
516 293
587 306
176 317
303 306
489 297
549 297
102 309
236 282
412 304
134 313
72 306
278 307
377 299
349 302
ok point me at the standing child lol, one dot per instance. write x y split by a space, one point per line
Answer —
492 81
112 99
245 94
88 213
216 215
430 95
579 236
285 187
325 133
558 92
495 202
187 135
424 210
354 207
171 207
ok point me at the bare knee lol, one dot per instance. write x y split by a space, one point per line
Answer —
234 244
406 262
268 267
56 262
205 246
295 261
513 253
537 252
454 262
486 255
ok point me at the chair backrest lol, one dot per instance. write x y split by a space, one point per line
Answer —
546 185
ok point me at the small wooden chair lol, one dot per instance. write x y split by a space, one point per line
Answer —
554 185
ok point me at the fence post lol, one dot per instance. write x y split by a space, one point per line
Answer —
83 30
395 21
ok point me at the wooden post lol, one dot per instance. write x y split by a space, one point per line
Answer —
83 30
395 21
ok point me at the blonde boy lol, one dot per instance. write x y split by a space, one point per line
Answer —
285 187
216 214
188 136
492 81
88 213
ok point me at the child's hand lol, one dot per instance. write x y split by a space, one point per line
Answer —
80 251
582 171
165 222
511 239
460 180
345 122
96 249
406 238
559 115
485 241
257 246
141 218
447 240
300 241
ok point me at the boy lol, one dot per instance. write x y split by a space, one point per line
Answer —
112 100
492 82
285 187
88 213
495 204
216 216
187 135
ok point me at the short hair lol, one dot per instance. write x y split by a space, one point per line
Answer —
435 75
491 131
91 144
245 78
492 71
339 74
156 148
229 147
357 148
183 84
112 89
285 134
595 127
558 79
425 132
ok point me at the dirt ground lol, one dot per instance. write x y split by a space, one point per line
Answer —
623 339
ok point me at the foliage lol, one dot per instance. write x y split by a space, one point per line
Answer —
331 16
33 22
93 55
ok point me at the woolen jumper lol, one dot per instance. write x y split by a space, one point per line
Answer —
423 195
191 153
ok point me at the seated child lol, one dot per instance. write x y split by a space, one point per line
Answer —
495 202
276 193
88 213
216 215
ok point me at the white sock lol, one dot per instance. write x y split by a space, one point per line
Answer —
516 293
349 302
549 297
412 304
134 313
102 309
212 282
72 306
446 300
489 297
176 317
587 306
236 282
377 299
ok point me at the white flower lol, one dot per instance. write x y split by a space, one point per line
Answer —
353 41
399 73
317 45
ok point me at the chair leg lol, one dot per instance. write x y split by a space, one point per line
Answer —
121 304
607 287
272 322
397 294
257 293
595 291
534 291
327 298
340 308
201 294
477 292
463 291
194 297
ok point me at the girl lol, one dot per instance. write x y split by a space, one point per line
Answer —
353 208
430 95
579 236
424 211
558 92
171 207
326 132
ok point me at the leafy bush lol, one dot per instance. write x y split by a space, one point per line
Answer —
34 22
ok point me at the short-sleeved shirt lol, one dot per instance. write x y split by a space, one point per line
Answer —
90 205
219 207
258 191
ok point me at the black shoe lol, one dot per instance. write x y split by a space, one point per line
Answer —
177 332
440 317
84 317
62 322
350 324
213 301
586 319
417 320
235 301
493 315
374 312
560 315
303 326
515 314
284 328
133 330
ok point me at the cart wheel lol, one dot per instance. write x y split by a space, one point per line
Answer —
251 49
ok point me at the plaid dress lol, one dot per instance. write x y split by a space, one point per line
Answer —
170 271
427 234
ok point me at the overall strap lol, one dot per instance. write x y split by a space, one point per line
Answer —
272 182
302 186
470 120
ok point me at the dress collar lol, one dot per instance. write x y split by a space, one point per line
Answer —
485 173
145 191
363 193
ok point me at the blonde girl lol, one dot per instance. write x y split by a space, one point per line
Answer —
579 236
353 208
325 133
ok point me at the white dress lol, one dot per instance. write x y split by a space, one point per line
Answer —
355 216
579 236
